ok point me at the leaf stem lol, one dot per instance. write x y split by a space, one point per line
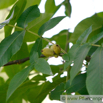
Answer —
95 45
15 26
34 34
45 39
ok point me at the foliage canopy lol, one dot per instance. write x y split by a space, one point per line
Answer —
20 60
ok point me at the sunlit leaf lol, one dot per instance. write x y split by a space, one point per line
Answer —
9 70
3 91
6 3
68 8
56 68
39 78
50 6
32 2
1 81
18 9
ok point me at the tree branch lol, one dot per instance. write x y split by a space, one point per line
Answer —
20 61
17 61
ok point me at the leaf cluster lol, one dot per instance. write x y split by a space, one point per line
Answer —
27 69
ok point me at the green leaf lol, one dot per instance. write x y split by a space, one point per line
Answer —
6 3
10 71
17 80
38 78
42 66
92 50
34 57
6 21
29 91
23 91
96 38
67 8
3 90
77 84
100 14
18 9
95 32
1 81
72 52
56 68
33 92
94 20
36 50
95 73
83 91
84 36
35 25
55 94
69 57
46 88
10 45
50 6
22 53
49 24
37 46
28 15
80 56
32 2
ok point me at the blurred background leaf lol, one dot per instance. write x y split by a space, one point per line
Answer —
96 22
6 3
18 9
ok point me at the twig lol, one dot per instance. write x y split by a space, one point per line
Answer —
20 61
96 45
17 61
